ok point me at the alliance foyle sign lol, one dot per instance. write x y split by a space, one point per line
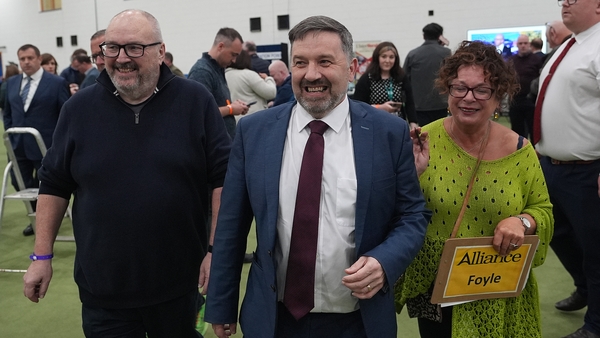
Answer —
470 269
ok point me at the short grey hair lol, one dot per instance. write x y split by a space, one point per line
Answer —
151 19
318 24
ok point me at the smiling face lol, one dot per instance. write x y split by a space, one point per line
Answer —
320 72
468 110
386 60
134 78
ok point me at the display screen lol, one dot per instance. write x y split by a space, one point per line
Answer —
505 39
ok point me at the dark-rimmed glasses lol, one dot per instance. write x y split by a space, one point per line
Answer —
479 93
570 2
133 50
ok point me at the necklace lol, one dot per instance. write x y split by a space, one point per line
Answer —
487 132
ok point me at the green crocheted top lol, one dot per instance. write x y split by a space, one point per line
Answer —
508 186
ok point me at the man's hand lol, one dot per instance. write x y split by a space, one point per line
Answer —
205 273
365 277
224 330
36 280
239 107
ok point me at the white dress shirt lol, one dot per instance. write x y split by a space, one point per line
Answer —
571 110
336 245
35 82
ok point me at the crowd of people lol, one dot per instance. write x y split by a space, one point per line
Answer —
353 198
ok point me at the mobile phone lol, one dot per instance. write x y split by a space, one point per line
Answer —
250 103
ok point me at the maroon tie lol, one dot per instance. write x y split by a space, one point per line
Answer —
300 278
537 115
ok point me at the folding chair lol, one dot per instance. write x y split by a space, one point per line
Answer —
27 195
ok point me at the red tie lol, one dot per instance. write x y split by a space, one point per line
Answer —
300 278
537 115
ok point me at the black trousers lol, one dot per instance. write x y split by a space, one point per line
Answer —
521 116
573 192
174 318
319 325
431 329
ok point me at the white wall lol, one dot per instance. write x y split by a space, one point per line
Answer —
189 26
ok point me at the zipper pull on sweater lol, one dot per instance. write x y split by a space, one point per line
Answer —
137 117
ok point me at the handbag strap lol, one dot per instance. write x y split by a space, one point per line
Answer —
472 181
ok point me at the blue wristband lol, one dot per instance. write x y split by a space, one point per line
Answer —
35 257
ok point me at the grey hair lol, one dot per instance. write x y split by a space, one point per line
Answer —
318 24
153 22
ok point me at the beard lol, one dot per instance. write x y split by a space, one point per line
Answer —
319 107
142 86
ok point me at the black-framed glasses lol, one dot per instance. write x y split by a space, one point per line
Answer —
133 50
570 2
479 93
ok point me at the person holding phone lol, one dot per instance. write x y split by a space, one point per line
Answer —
384 84
249 86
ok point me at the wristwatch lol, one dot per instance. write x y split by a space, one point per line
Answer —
525 222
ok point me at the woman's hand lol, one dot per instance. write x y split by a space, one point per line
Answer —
389 107
509 234
420 149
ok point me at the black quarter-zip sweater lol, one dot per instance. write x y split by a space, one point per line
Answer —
141 185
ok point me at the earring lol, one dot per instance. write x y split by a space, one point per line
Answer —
496 114
448 111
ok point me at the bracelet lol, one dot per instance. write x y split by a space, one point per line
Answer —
209 248
35 257
230 109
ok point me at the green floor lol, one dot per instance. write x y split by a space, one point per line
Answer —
58 315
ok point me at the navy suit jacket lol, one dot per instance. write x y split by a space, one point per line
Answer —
42 114
90 78
390 223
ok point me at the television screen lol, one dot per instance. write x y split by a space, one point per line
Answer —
505 39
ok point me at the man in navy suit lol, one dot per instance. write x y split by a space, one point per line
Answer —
33 100
371 213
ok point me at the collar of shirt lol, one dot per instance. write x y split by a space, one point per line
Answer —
581 37
35 77
334 119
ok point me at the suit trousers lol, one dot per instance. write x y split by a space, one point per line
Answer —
174 318
521 116
573 192
319 325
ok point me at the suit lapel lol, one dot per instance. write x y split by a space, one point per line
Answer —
362 137
274 144
42 86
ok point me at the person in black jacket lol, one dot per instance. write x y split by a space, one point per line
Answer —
140 151
384 84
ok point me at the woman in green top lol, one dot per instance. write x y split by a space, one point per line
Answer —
509 198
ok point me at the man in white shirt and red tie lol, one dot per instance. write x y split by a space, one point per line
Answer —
567 135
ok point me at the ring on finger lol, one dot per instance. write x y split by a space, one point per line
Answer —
369 287
513 245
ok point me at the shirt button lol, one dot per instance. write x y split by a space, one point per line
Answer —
273 288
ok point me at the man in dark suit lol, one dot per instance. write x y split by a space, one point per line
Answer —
366 211
33 100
